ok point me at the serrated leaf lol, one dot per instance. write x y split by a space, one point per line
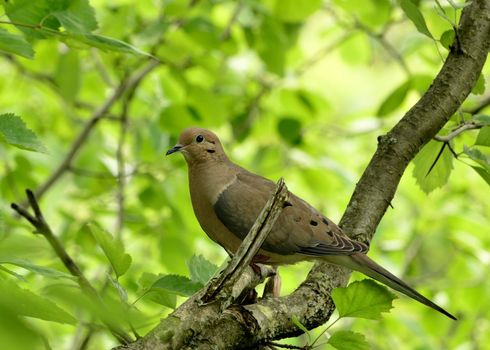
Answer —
15 132
483 138
447 38
40 270
113 250
479 87
101 42
16 44
395 99
75 16
26 303
347 340
414 14
298 324
157 295
200 269
364 299
177 284
424 160
484 173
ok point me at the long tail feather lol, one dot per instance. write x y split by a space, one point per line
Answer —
362 263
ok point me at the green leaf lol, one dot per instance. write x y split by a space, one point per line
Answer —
364 299
113 250
294 10
26 303
157 295
101 42
479 87
290 130
447 38
177 284
483 138
395 99
484 173
482 118
200 269
67 75
424 160
75 16
40 270
16 44
414 14
298 324
14 131
37 14
477 156
348 340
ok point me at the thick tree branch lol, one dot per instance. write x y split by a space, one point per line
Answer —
242 327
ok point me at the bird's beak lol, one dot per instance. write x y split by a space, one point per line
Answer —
174 149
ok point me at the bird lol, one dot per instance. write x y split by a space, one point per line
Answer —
227 199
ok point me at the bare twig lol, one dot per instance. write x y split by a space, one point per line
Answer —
98 114
285 346
251 244
460 129
37 220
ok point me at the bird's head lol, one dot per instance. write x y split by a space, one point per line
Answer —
198 145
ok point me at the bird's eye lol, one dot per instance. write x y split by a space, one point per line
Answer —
199 138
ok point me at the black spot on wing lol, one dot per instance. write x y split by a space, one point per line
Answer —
313 223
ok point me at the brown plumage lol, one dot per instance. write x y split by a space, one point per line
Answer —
227 199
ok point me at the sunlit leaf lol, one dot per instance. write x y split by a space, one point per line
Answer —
113 249
200 269
68 75
14 131
295 11
180 285
483 138
364 299
482 118
41 270
479 87
102 42
26 303
348 340
484 173
157 295
75 16
16 44
447 38
425 159
395 99
414 14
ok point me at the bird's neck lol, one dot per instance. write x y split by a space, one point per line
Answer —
209 180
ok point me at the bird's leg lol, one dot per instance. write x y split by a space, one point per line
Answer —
273 286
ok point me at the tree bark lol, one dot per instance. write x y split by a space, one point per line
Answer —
242 327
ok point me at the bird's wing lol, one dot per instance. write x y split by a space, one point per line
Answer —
300 229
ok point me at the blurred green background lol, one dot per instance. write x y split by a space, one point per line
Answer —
299 89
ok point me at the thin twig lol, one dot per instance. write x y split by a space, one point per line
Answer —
251 244
98 114
462 128
285 346
39 223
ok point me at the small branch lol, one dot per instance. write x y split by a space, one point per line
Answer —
43 228
98 114
460 129
251 244
482 105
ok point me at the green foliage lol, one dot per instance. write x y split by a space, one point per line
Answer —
431 167
364 299
113 250
25 303
295 89
347 340
413 13
14 131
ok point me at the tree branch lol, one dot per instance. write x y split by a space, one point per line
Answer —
242 327
43 228
98 114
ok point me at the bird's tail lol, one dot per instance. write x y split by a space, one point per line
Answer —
362 263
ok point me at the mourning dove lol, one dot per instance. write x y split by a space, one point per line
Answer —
227 199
